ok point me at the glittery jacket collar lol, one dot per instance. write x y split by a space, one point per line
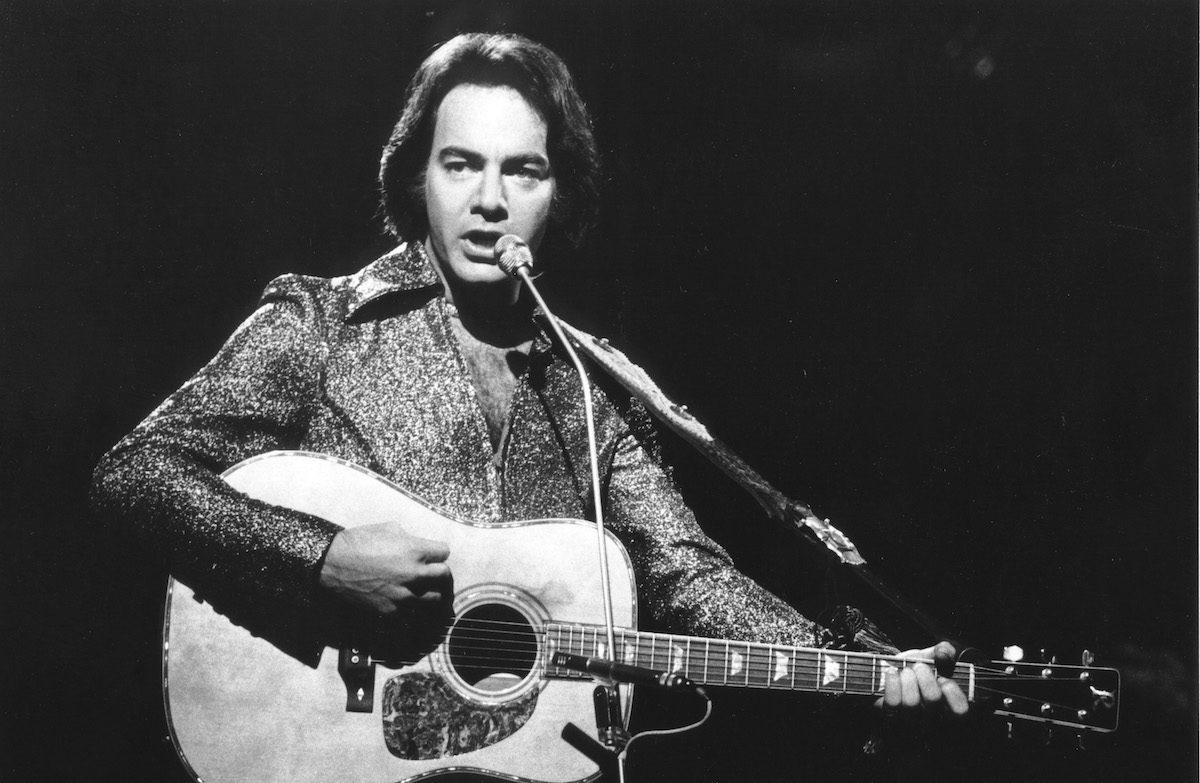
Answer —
407 268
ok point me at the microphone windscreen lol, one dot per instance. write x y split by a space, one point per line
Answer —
512 253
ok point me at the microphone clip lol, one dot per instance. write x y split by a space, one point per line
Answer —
621 672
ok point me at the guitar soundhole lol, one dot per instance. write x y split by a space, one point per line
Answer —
492 647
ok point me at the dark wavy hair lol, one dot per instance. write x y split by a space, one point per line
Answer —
543 80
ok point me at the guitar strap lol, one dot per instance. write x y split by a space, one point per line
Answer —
793 514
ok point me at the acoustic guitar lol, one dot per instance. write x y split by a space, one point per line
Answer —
489 699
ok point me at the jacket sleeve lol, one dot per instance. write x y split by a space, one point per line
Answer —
688 581
162 483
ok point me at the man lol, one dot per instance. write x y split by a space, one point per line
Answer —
426 367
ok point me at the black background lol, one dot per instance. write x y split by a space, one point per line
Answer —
930 266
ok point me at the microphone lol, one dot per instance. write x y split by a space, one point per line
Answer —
513 254
621 672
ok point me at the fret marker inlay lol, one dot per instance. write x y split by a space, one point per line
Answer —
781 665
735 664
883 670
833 670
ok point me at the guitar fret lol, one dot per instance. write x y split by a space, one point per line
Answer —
763 654
706 646
853 675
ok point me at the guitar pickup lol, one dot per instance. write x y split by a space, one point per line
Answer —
358 673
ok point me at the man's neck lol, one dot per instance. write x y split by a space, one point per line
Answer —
495 314
510 327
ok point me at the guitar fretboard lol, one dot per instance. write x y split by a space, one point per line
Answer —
737 664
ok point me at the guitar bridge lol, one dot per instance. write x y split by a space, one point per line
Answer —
358 673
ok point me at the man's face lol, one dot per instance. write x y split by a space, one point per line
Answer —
488 175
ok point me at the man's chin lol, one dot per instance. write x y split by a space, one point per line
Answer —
479 273
480 277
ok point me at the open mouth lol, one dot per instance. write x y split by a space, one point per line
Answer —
481 243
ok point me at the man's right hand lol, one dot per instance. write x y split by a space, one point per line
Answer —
383 569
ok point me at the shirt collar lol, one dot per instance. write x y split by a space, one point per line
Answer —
406 268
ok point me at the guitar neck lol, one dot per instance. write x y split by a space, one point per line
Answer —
739 664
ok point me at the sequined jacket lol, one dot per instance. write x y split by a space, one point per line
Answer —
366 368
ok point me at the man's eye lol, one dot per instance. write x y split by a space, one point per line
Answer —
456 166
530 172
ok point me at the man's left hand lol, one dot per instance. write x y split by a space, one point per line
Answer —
920 685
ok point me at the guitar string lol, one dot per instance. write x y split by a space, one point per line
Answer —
760 677
767 650
755 669
502 645
858 686
761 674
640 637
755 673
652 648
652 657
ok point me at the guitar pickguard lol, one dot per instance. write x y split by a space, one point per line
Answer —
424 718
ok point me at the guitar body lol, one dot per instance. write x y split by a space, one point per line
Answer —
241 710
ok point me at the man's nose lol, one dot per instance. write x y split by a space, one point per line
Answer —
491 201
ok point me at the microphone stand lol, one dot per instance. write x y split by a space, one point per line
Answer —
516 260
